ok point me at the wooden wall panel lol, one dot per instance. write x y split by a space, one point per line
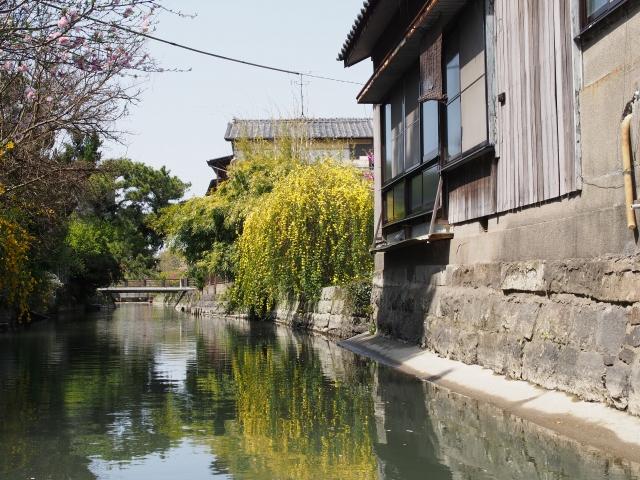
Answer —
536 127
472 191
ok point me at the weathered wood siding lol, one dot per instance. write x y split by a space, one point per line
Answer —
472 191
536 126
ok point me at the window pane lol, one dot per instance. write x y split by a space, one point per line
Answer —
454 129
398 154
416 193
388 150
430 131
471 44
474 115
430 178
412 155
594 5
453 72
388 206
399 211
412 118
397 130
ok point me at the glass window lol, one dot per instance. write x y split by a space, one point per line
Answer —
593 6
453 69
397 131
412 118
416 193
454 128
430 178
466 109
399 211
388 206
430 131
388 151
402 131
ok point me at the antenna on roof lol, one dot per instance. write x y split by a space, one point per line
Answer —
301 83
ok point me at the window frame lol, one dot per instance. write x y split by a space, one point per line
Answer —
407 176
440 159
449 163
591 24
589 20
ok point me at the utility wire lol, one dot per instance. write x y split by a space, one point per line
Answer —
204 52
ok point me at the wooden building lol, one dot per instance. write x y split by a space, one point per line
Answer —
347 140
478 93
504 185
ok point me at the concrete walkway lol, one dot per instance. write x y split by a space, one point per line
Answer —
593 424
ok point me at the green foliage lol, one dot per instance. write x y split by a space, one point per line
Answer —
358 297
16 279
90 256
204 230
312 230
122 202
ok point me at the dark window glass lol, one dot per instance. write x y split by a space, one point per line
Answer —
388 206
454 128
416 193
397 130
412 118
430 131
430 178
388 151
593 6
399 211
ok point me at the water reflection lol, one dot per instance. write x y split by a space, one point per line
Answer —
148 393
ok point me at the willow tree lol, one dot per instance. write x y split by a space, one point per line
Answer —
312 230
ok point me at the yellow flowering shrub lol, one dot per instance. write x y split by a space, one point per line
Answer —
16 281
312 230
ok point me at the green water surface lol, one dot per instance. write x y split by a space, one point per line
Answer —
148 393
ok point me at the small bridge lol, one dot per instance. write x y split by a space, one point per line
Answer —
138 289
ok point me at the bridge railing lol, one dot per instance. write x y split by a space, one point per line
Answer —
154 282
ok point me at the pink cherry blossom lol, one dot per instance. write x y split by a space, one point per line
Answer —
63 23
64 41
22 68
49 99
30 93
128 12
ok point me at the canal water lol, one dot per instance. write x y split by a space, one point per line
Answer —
149 393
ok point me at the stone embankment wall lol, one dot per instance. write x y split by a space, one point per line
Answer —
332 315
570 325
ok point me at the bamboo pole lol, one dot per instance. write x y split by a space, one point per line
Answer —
627 170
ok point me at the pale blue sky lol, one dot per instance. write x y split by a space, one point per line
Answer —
181 119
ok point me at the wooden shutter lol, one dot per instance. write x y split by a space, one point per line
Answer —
535 127
431 71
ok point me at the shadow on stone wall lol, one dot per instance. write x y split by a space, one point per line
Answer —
404 291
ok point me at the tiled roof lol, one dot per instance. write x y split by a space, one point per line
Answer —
356 29
329 128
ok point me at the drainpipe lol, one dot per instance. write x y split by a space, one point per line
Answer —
627 162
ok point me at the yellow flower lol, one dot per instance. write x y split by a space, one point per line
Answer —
10 145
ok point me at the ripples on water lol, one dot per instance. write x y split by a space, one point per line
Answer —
150 393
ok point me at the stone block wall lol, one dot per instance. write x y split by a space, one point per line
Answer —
571 325
332 315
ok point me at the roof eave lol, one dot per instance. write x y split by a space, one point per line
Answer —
408 49
363 36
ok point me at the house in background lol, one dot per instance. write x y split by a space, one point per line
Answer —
348 140
220 168
500 120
